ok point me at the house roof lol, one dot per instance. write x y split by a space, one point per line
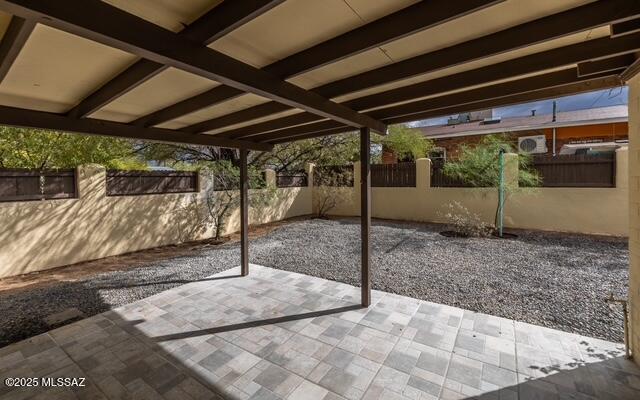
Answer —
253 74
593 116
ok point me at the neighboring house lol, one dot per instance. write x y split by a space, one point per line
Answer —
548 135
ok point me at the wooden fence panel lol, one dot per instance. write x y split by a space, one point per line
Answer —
333 175
31 184
577 170
440 179
292 179
393 175
131 183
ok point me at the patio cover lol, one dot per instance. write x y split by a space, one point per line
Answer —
249 74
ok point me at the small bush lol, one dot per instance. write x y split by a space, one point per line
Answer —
465 223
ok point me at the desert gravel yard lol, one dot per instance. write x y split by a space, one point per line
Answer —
555 280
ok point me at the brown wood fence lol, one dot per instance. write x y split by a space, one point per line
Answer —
439 179
577 170
393 175
130 183
292 179
333 175
32 184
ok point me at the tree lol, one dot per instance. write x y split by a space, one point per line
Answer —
286 157
222 196
405 142
329 191
41 149
479 166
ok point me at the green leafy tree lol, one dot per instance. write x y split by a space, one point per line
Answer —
285 157
406 143
34 148
479 165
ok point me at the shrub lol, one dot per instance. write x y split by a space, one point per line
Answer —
465 223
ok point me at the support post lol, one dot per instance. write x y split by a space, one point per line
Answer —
365 214
244 214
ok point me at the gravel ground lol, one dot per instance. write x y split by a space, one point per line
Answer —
554 280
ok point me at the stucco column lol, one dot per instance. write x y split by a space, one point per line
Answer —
91 181
511 170
622 168
634 214
423 173
270 177
310 168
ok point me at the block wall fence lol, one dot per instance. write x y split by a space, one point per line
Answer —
40 235
602 211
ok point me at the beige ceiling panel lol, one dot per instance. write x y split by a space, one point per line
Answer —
362 62
4 22
55 70
369 10
292 26
480 23
256 121
237 104
168 87
169 14
565 41
299 24
478 86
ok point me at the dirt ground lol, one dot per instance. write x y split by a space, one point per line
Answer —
87 269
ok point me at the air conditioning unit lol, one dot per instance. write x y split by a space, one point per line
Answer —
532 144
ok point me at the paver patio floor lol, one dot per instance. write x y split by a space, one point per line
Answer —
282 335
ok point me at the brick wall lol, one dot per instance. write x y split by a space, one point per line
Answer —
603 132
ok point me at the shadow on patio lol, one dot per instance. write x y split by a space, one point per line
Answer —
278 334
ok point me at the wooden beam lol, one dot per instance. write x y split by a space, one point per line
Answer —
589 16
365 216
43 120
605 65
631 71
109 25
588 84
625 27
208 28
244 214
423 15
547 60
533 83
14 38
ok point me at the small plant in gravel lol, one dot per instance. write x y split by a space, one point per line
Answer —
330 192
464 223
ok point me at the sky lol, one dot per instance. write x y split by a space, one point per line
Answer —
600 98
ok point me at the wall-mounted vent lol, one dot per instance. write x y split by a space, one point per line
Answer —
492 120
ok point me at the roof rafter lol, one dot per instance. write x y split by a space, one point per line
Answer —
111 26
413 110
617 50
605 64
420 16
214 24
592 15
631 71
12 42
13 116
589 85
625 27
